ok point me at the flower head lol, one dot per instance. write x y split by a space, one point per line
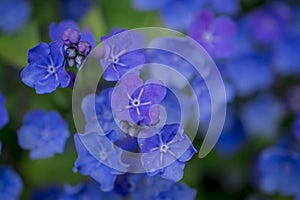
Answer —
166 152
215 34
11 184
46 69
43 133
98 158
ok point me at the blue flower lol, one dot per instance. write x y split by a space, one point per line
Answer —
214 34
3 112
230 7
99 159
43 133
176 14
296 127
166 152
14 14
279 171
136 102
46 192
121 54
270 111
242 72
86 190
76 45
155 187
11 184
98 114
46 69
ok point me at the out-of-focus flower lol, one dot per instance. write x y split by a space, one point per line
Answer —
166 152
46 69
268 24
176 14
14 14
121 54
262 115
75 9
155 187
77 45
242 71
296 127
3 112
96 157
11 184
233 135
214 34
279 171
285 56
43 133
230 7
136 102
89 190
46 193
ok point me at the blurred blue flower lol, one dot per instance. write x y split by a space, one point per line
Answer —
285 56
269 23
13 14
87 190
243 70
233 136
231 7
214 34
3 112
11 184
155 187
121 54
99 159
279 171
49 192
166 152
296 127
43 133
176 14
46 69
75 9
262 115
136 102
77 45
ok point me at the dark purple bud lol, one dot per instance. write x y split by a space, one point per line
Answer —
70 52
70 36
73 78
84 48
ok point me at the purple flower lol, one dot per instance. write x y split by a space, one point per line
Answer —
88 190
3 112
14 14
99 159
176 14
215 34
268 24
155 187
43 133
166 152
137 102
121 54
279 171
46 69
11 184
76 45
296 127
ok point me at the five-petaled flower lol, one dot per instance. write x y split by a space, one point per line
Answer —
136 102
166 152
43 133
46 69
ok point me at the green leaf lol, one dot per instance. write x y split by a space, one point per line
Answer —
15 47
